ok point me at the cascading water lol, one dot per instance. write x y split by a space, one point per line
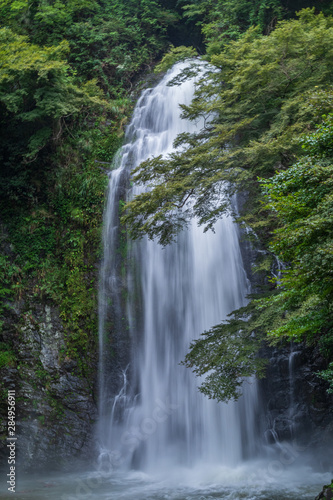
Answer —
158 436
185 289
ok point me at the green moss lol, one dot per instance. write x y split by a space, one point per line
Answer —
41 419
7 356
56 241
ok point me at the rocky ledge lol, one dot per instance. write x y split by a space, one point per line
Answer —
326 493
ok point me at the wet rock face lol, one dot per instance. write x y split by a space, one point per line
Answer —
326 493
296 405
55 406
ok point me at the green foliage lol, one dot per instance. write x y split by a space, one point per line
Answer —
32 80
301 198
174 55
10 283
38 102
228 354
328 376
108 40
7 356
225 20
254 105
230 19
57 243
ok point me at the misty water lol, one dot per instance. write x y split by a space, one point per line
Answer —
250 481
158 437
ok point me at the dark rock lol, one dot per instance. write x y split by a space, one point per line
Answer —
295 404
295 400
326 493
56 409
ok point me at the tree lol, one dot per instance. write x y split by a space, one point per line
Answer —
253 106
228 354
109 40
301 197
225 20
259 103
37 97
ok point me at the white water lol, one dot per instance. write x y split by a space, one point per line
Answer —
152 417
185 289
239 483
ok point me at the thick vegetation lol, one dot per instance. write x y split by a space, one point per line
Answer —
301 198
66 71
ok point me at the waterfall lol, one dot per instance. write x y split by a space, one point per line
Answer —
151 412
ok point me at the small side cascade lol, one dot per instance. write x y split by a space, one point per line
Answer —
283 406
292 365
